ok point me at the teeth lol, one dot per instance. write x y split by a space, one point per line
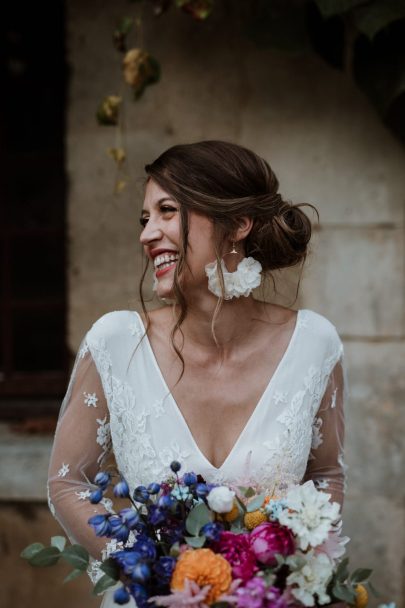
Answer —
164 259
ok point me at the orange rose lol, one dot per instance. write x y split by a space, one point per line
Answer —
205 568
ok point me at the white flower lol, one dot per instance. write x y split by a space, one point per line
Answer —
311 573
334 545
90 399
310 515
220 499
64 470
239 283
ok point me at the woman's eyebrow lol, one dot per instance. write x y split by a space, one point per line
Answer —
161 200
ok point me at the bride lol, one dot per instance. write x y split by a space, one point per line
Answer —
238 390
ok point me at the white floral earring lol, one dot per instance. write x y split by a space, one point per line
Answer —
246 277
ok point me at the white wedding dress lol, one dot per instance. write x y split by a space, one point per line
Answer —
118 400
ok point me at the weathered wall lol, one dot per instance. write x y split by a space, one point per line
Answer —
328 147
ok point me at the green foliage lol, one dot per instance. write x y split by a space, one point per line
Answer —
256 503
59 542
76 556
110 567
46 557
103 583
197 518
31 550
195 541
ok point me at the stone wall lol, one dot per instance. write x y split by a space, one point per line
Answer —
327 147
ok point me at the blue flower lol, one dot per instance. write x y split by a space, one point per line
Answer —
156 516
165 502
190 479
145 546
121 489
127 559
202 489
175 466
121 596
274 508
141 573
100 524
96 496
118 529
141 494
164 568
212 531
130 517
140 595
153 488
180 493
102 479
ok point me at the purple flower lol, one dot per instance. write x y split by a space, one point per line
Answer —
118 528
270 538
121 489
100 524
140 573
156 516
165 502
153 488
146 547
121 596
164 568
212 531
189 479
256 594
127 559
130 517
140 595
202 490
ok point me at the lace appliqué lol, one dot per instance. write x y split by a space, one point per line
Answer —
64 470
90 399
103 437
317 437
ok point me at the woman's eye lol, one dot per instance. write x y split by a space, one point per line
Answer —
143 221
167 208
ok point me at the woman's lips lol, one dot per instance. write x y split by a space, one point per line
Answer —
162 271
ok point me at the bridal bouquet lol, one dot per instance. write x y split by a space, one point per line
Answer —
186 543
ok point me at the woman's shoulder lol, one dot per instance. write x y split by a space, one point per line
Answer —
317 327
117 324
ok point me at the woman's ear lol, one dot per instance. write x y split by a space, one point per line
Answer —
245 226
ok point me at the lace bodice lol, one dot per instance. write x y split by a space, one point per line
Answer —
118 400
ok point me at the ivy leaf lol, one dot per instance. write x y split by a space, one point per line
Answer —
59 542
376 16
76 556
360 575
256 503
72 575
197 518
110 567
45 557
103 583
341 592
31 550
195 541
329 8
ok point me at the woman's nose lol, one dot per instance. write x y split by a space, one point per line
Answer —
151 232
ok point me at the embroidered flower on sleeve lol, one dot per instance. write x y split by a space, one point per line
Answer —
64 470
158 409
103 432
333 402
280 397
84 349
83 495
90 399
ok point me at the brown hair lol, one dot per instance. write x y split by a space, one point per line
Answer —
225 182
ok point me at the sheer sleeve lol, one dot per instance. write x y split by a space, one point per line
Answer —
82 443
325 465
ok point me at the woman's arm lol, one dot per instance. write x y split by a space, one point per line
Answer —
325 465
82 442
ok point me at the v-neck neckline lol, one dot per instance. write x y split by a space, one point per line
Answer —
252 416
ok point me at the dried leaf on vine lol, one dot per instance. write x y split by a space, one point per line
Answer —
140 69
108 110
117 154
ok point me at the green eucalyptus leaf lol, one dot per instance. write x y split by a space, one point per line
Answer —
76 556
72 575
31 550
256 503
342 571
105 582
373 589
110 567
175 550
45 557
341 592
195 541
360 575
197 518
59 542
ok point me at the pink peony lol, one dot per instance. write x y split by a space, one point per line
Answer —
237 551
270 538
256 594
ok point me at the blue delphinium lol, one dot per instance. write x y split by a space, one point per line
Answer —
130 517
121 489
96 496
118 528
156 515
141 573
166 502
145 546
127 559
212 531
100 524
153 488
141 494
121 596
102 479
175 466
164 569
190 479
140 595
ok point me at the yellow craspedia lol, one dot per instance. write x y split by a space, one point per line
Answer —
361 596
205 568
254 519
233 513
